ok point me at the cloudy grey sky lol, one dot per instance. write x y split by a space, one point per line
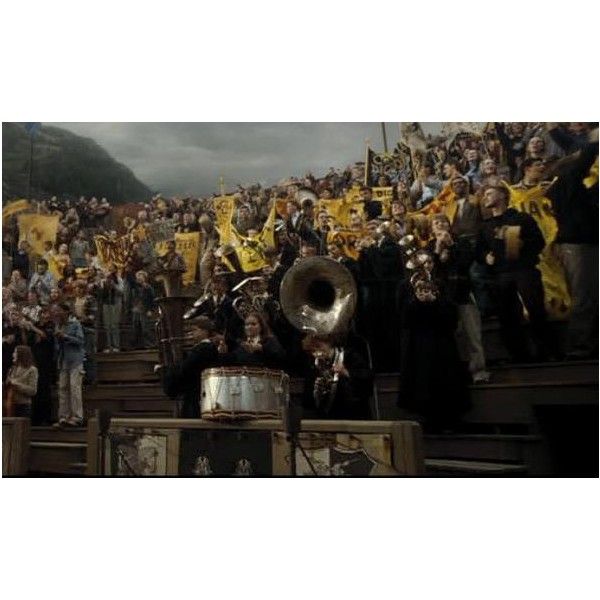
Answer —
177 158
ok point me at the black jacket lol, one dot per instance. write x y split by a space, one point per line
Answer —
490 240
575 206
352 393
21 263
223 314
381 262
373 209
569 142
271 356
185 380
453 274
433 382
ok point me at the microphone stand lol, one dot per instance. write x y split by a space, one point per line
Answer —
103 418
292 419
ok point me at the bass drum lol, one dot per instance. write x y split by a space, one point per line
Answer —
243 393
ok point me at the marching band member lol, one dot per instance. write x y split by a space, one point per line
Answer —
184 380
258 348
453 258
338 380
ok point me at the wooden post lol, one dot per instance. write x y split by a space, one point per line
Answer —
15 446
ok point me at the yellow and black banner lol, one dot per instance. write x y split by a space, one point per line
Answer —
112 251
349 240
37 229
533 202
15 207
188 245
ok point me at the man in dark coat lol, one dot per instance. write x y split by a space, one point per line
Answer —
372 208
346 397
184 381
575 205
510 243
381 272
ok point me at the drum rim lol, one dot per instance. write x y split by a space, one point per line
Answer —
233 371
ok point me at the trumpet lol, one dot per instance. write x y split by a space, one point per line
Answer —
421 263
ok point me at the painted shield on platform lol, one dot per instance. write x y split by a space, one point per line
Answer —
335 462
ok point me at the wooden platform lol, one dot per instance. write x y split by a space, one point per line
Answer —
539 418
58 451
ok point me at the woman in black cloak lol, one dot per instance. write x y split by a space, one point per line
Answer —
258 348
433 381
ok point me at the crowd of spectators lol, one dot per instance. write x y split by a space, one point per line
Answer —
57 304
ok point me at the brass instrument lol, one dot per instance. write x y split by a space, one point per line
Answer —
419 262
254 297
325 387
409 245
170 329
318 295
198 305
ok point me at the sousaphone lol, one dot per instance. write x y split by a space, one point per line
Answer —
318 295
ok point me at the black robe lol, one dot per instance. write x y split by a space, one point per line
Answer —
380 275
272 355
433 381
185 380
352 393
43 354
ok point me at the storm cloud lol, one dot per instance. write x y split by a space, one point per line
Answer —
181 158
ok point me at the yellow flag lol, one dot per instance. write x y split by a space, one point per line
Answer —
591 179
349 240
15 207
444 202
224 207
112 251
267 236
533 202
251 258
340 209
188 245
250 251
54 268
353 194
37 229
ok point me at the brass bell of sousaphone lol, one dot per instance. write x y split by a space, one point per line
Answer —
318 295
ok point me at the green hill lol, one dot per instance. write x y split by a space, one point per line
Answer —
64 164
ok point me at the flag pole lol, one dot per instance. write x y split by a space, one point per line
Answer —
367 147
30 167
385 145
